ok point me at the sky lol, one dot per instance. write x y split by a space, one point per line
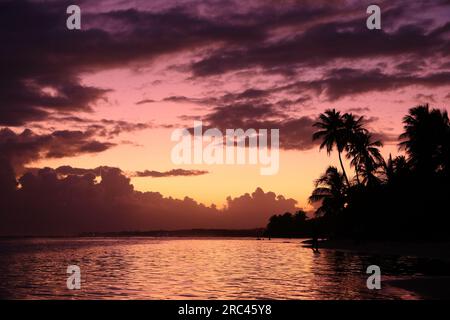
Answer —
111 94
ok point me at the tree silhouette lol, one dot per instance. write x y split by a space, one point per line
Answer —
396 170
287 225
333 133
401 198
331 191
366 156
425 139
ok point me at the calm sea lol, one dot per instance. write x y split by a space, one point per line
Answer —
188 268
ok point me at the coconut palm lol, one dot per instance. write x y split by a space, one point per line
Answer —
330 190
333 133
353 125
423 139
396 169
365 155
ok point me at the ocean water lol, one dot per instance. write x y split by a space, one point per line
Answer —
191 268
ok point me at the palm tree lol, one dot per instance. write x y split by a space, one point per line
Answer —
331 191
353 125
353 128
333 133
396 169
366 157
424 138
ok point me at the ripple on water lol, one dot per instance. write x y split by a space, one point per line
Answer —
146 268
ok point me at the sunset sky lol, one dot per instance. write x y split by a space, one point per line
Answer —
112 93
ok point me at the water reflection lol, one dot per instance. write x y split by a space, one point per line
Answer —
144 268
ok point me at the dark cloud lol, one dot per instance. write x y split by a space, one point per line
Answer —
68 170
410 66
103 127
170 173
40 72
295 132
340 83
323 44
241 115
425 98
145 101
182 99
116 127
42 62
250 95
257 108
358 109
49 203
387 138
22 148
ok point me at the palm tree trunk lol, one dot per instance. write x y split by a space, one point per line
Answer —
343 170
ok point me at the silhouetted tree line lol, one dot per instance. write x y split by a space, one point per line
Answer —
288 225
402 197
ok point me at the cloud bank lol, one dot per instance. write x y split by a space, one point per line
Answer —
70 201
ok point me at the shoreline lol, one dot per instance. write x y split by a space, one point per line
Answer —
420 287
433 287
159 233
428 250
